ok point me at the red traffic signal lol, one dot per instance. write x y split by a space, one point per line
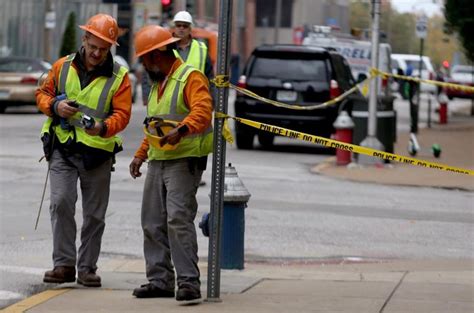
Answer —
165 2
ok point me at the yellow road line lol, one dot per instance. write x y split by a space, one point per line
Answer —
35 300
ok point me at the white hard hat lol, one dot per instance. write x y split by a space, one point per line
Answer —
183 16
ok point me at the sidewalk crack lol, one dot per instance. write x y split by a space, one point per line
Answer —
393 292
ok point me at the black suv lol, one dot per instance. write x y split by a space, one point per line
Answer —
296 75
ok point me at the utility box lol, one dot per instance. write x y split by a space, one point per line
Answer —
386 122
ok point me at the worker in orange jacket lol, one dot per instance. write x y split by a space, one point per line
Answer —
178 140
87 99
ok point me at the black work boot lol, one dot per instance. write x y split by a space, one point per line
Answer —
60 275
88 279
188 295
152 291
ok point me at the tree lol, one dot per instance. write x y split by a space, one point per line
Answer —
459 15
68 44
398 28
440 46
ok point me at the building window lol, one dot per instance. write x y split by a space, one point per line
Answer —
266 9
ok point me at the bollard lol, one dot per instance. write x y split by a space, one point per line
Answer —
236 197
443 107
344 127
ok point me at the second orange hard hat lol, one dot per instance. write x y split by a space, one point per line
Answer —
152 37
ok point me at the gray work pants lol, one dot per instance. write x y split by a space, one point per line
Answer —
169 208
95 187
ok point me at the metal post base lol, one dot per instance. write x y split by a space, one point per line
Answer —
213 300
372 143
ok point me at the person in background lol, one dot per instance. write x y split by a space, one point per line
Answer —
190 50
179 96
87 98
412 94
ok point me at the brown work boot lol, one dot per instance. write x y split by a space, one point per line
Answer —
60 275
88 279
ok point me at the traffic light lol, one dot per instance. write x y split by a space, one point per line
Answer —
167 9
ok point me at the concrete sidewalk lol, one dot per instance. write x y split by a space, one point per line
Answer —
456 139
333 286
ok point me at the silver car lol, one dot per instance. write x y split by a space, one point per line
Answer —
19 78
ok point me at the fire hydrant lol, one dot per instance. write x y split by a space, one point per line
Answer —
236 197
344 128
443 107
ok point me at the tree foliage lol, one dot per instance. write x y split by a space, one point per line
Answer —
459 15
399 30
68 44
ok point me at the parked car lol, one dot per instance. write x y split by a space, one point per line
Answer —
19 78
400 64
296 75
133 79
462 75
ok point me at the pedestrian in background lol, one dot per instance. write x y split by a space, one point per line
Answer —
413 89
179 93
190 50
87 98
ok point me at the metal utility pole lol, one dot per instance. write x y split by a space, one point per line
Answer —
414 109
371 140
277 21
218 164
421 30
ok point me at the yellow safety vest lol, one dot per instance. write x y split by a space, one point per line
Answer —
171 106
197 55
94 100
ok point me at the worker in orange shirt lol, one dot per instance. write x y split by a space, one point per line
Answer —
87 99
178 140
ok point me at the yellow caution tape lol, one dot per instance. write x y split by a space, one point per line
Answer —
226 133
295 107
330 143
377 72
365 87
221 81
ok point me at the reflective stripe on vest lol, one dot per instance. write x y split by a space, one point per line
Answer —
94 100
171 106
196 56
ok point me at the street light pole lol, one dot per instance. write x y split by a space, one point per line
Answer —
371 140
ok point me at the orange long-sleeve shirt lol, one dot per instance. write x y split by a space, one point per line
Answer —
197 99
121 100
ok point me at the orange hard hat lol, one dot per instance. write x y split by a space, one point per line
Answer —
103 26
152 37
